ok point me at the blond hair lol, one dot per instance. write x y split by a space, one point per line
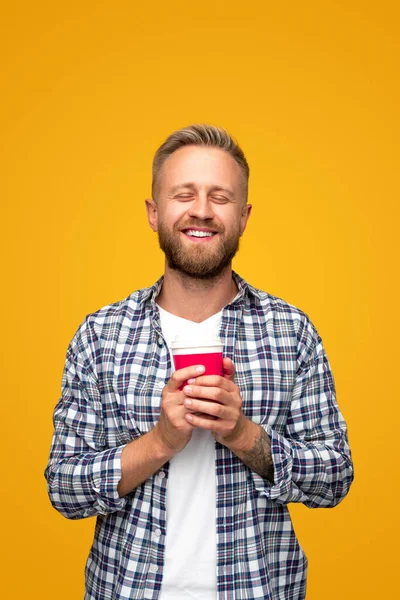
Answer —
199 135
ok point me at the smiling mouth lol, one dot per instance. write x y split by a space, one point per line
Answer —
196 233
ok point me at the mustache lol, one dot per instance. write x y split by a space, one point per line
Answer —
193 223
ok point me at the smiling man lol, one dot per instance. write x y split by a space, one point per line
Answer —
191 483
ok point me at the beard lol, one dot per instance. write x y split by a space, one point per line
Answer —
199 261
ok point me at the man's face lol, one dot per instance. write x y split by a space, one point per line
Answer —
200 212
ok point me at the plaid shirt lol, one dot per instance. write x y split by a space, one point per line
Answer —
116 367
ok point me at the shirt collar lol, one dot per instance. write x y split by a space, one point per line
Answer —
244 289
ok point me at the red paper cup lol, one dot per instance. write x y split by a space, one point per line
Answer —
203 352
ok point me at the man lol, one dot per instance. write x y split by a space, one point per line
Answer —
190 483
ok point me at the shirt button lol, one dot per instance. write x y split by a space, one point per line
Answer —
157 532
160 341
154 568
160 385
161 474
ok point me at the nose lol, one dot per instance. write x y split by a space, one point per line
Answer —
201 208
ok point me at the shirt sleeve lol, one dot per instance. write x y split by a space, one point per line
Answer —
82 473
312 460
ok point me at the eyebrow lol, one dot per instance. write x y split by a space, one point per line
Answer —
191 185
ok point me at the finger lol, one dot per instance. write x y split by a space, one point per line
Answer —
203 422
215 394
228 368
213 381
203 415
178 377
214 409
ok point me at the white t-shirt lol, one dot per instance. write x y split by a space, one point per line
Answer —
190 569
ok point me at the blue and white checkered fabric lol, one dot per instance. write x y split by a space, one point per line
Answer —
116 367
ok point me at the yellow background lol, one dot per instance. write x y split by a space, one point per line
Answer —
311 91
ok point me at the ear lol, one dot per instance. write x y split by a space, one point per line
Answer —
152 214
246 211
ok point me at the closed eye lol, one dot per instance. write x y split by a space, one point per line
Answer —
219 199
184 197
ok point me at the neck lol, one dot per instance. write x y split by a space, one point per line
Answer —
196 299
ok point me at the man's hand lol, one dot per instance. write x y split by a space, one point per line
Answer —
215 403
173 430
218 406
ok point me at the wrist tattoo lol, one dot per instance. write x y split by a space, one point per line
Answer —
259 458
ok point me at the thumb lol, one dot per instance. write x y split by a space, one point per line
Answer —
228 369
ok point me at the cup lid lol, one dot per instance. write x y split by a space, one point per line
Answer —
211 341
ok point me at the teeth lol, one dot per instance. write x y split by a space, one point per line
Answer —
194 233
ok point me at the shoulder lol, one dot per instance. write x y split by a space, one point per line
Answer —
272 305
284 318
108 322
113 313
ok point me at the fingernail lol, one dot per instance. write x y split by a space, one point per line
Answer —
200 369
188 402
189 417
191 381
188 389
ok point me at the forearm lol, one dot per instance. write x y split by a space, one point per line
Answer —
140 459
92 483
84 484
315 474
318 472
253 447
